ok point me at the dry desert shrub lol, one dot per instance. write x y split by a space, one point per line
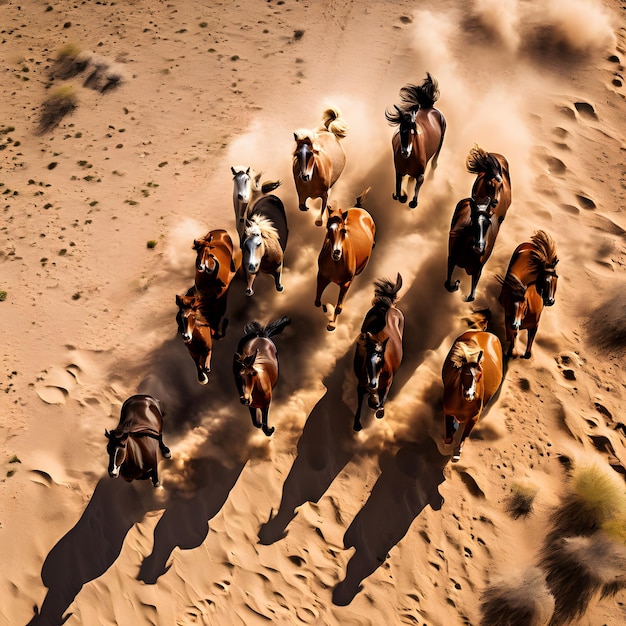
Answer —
70 61
520 502
55 107
525 601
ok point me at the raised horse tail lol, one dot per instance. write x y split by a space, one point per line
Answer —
255 329
359 201
333 122
386 292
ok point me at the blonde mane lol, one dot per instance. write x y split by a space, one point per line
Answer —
464 352
545 253
259 225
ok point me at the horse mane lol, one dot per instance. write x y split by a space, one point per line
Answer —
420 96
464 352
266 227
334 123
393 117
256 329
386 292
544 254
480 161
304 134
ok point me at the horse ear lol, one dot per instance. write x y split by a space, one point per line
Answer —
237 357
555 263
196 244
295 136
179 300
344 215
384 343
480 357
107 434
248 171
257 178
232 169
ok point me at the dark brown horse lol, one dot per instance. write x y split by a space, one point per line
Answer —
133 446
196 332
421 129
255 367
345 252
319 159
492 186
529 285
378 349
472 374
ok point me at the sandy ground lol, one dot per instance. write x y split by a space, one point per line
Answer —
317 524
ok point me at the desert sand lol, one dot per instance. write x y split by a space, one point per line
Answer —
316 524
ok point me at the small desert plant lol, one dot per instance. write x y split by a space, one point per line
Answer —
151 244
521 500
70 61
525 601
3 295
61 101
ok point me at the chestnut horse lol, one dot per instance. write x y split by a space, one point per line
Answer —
264 241
247 189
493 182
472 374
421 129
133 446
529 285
345 252
319 159
255 367
196 332
378 349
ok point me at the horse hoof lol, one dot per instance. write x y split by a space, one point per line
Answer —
167 453
456 457
249 292
303 207
157 484
413 204
268 431
526 355
280 288
403 199
469 298
330 327
204 380
380 413
357 426
452 288
318 222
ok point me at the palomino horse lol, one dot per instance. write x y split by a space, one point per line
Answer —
264 241
133 446
472 374
196 332
421 129
492 186
247 189
255 367
345 252
529 284
319 159
378 349
472 236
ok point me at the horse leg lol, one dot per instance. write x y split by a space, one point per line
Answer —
264 412
448 284
380 410
322 283
399 196
451 427
165 451
155 476
511 336
277 277
456 455
418 183
529 343
343 289
320 220
475 279
203 379
360 392
253 415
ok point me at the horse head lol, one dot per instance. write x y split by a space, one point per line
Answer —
186 316
246 182
546 284
116 449
481 221
375 358
471 374
247 374
407 130
336 232
304 155
206 261
252 248
488 184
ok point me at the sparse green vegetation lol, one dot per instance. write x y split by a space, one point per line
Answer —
61 101
131 202
520 502
3 295
151 244
14 459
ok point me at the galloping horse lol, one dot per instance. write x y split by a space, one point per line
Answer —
264 241
529 285
319 159
345 252
473 233
255 367
133 445
196 332
493 182
247 189
471 373
379 349
421 129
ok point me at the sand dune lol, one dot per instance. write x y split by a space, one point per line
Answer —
317 524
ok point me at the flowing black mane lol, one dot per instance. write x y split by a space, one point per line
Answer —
480 161
256 329
385 295
422 96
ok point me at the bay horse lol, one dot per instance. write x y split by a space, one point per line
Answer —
345 252
264 241
529 285
133 446
472 374
493 182
378 348
319 159
247 189
196 332
255 368
420 134
473 233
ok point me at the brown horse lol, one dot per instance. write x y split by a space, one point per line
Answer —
378 349
196 332
345 252
529 285
255 367
472 374
217 261
133 446
319 159
264 241
492 186
247 189
421 129
473 233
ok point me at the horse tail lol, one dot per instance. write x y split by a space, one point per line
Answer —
359 201
270 185
386 292
334 123
277 326
255 329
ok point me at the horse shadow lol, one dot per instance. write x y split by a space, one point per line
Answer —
409 482
323 450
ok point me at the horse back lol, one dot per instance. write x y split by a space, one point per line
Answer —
330 146
362 229
272 207
520 264
141 458
492 361
267 356
432 124
142 413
